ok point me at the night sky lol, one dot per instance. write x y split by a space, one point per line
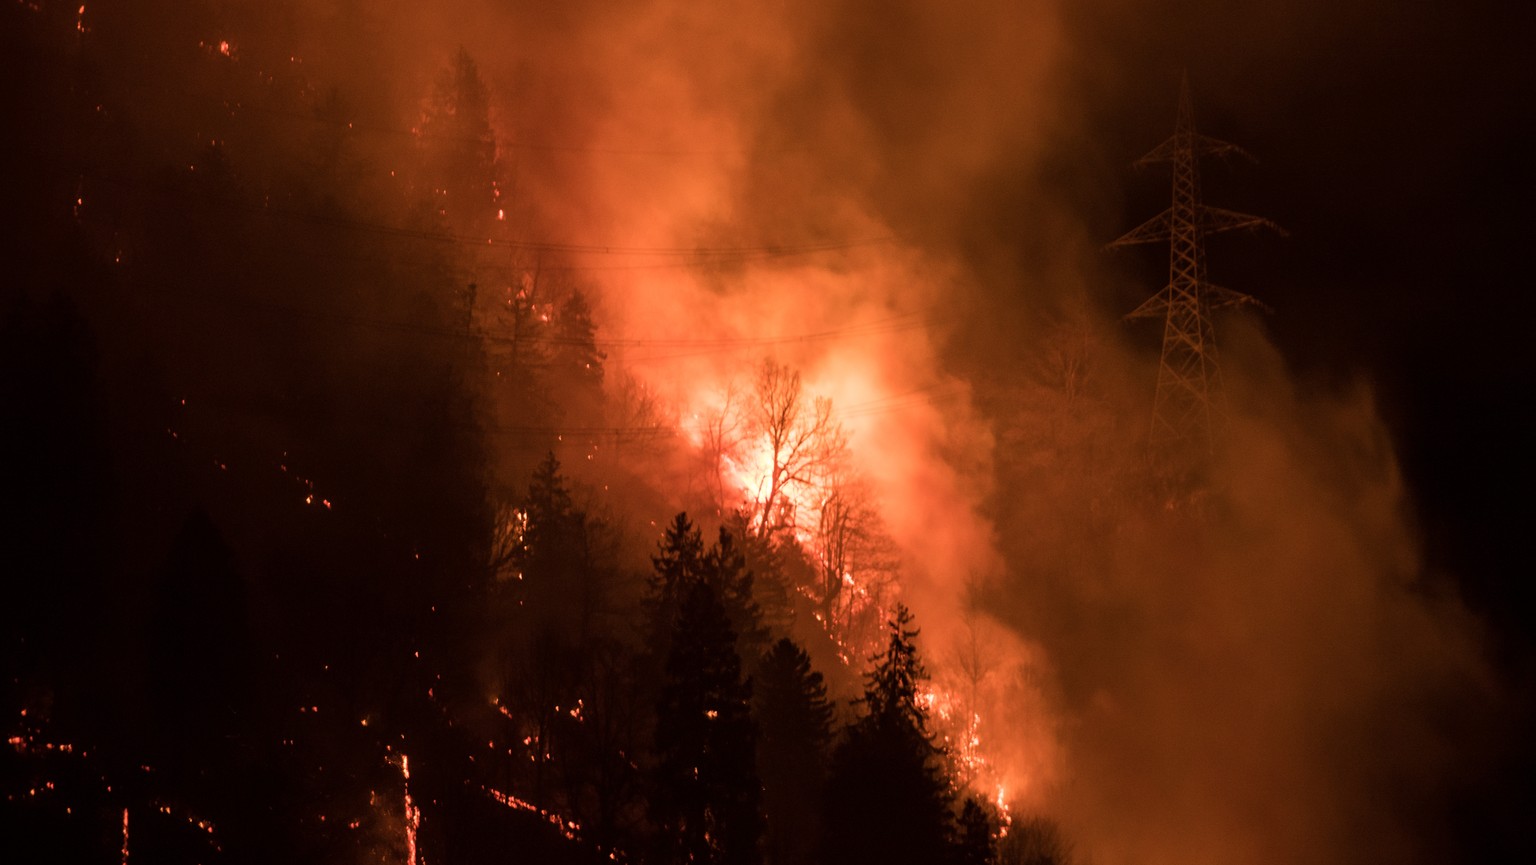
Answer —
1392 143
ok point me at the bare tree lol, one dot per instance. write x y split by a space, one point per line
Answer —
803 442
724 432
855 558
1035 841
636 415
506 542
1063 364
974 659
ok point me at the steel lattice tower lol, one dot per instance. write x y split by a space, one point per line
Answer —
1189 407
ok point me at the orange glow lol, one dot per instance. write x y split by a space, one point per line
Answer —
412 813
568 828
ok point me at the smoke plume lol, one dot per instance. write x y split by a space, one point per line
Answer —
906 202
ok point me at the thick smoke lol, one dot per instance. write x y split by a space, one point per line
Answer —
1266 680
1255 678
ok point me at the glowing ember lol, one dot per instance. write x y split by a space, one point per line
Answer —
567 828
412 813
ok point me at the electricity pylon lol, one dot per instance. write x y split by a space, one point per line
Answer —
1189 409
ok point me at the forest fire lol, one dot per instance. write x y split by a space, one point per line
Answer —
738 455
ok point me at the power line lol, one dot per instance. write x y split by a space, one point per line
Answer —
893 324
896 402
417 134
700 254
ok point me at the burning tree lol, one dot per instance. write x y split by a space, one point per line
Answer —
856 561
888 797
807 521
801 445
543 555
722 436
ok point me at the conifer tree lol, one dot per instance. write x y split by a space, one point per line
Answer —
976 843
459 146
772 585
726 568
549 511
794 720
551 555
576 366
677 563
888 798
682 560
704 803
578 335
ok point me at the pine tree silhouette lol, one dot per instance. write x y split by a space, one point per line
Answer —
705 797
794 720
976 841
888 799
